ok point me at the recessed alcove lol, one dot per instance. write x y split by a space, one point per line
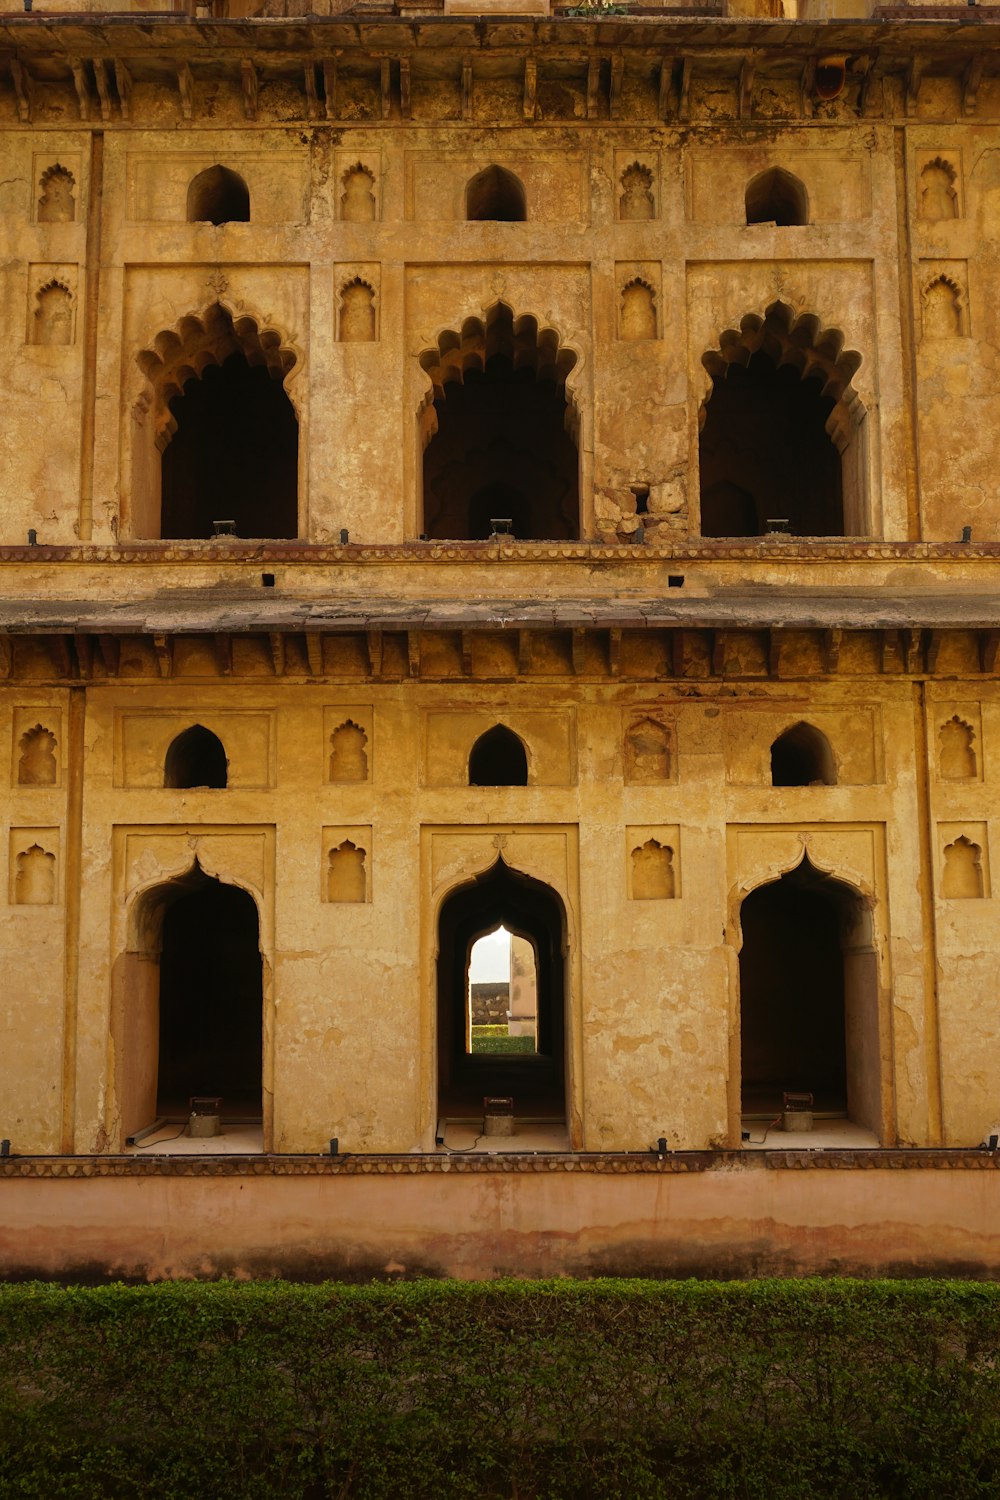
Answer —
498 758
218 196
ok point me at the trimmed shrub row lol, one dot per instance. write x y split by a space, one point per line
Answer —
562 1390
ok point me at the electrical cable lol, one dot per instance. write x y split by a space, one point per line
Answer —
767 1129
162 1141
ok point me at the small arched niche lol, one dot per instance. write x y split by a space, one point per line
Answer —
638 310
53 320
346 877
57 204
496 194
802 756
498 758
776 197
357 201
196 758
962 876
958 755
218 196
348 752
636 200
938 190
653 876
37 764
357 312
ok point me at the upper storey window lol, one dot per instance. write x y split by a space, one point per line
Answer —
776 197
218 196
501 455
217 442
782 445
496 194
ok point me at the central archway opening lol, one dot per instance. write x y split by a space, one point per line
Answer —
501 453
809 999
501 998
211 1002
233 458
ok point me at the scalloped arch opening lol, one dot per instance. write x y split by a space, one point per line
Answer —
501 436
783 445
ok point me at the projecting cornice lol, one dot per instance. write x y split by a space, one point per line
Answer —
102 58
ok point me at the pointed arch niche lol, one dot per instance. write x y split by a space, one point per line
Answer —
533 912
783 443
189 1002
216 435
500 432
809 998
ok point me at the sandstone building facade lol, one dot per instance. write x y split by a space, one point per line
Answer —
475 468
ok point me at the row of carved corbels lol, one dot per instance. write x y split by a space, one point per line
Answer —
589 652
104 84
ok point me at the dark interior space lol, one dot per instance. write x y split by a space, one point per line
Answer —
765 455
792 1011
196 758
502 451
802 757
776 197
218 196
498 758
531 910
233 457
495 194
211 1002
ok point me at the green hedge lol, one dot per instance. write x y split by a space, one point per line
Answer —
775 1389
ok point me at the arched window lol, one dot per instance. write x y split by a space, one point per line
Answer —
498 758
782 446
216 437
234 456
802 757
218 196
776 197
501 434
196 758
496 194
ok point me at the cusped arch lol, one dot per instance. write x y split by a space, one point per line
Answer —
182 353
470 347
851 884
148 901
798 344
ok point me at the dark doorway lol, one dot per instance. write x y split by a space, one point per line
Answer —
809 998
498 758
776 197
233 456
536 1080
502 452
218 196
211 1002
766 460
196 758
496 194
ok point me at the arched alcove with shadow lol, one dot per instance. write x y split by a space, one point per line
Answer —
501 441
188 1003
782 445
809 1019
536 1081
218 196
498 758
497 194
803 756
196 758
776 197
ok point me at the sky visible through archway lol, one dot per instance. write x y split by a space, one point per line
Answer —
489 962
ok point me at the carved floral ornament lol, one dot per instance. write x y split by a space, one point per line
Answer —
799 340
182 353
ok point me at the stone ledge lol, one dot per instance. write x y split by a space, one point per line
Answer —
75 1168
